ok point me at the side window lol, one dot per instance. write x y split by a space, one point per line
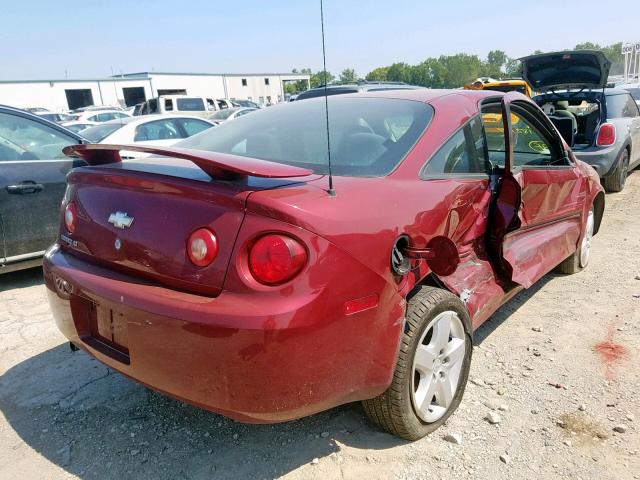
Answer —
462 154
192 126
190 104
630 108
621 106
168 104
25 139
531 146
95 118
158 130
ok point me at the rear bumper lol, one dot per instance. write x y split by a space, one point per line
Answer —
602 159
253 359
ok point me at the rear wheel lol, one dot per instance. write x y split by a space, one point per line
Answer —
616 180
432 368
580 258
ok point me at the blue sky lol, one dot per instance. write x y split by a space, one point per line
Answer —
44 39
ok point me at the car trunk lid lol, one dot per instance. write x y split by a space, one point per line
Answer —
566 70
136 217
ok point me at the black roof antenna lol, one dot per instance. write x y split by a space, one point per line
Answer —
331 191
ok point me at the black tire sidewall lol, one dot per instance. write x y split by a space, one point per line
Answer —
624 168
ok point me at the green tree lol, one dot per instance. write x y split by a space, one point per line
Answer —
319 78
512 67
348 75
460 69
300 85
378 75
496 61
315 79
453 71
587 46
399 72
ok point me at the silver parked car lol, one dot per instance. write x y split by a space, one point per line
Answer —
600 124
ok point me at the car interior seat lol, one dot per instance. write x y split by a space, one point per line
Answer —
361 149
565 128
592 119
142 134
164 134
562 111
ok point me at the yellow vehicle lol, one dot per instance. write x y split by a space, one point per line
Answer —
517 85
492 121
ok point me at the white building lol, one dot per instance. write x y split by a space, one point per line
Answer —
132 88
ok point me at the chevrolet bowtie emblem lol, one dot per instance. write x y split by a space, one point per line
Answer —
120 220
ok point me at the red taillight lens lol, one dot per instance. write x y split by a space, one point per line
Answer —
606 135
70 217
202 247
274 259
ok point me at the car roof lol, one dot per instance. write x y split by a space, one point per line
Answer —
179 95
147 118
98 112
39 119
618 90
426 95
19 110
510 81
78 122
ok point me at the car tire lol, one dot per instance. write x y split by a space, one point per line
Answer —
615 181
580 258
435 349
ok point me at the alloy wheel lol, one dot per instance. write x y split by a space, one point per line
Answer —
437 364
585 247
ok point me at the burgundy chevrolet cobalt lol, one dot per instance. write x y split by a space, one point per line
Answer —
230 273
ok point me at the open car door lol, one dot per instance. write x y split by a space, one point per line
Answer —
536 215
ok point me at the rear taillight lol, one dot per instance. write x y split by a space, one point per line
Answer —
275 259
202 247
70 216
606 135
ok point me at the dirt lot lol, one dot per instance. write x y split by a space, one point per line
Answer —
557 366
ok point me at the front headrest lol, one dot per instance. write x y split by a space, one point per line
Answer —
549 109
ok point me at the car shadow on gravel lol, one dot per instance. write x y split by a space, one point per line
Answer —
21 279
509 308
95 423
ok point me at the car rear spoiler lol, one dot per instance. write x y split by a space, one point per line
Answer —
217 165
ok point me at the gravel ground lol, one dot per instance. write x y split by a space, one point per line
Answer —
554 393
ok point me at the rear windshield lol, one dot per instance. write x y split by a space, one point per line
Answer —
190 104
506 88
100 132
368 136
